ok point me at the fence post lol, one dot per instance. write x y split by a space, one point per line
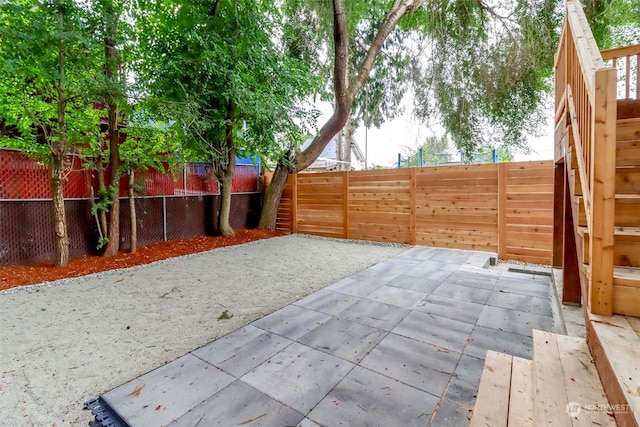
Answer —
502 210
345 202
164 218
412 207
294 203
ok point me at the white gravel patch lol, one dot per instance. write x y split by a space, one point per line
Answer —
65 342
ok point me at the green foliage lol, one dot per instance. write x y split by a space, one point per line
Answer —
30 38
435 150
489 70
196 64
614 23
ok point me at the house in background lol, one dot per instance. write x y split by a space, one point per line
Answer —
329 158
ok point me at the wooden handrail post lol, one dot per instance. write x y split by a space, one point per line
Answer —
602 183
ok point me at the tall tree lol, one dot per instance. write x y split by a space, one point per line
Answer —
346 85
47 65
114 97
215 69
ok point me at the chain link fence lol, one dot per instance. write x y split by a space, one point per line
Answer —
182 204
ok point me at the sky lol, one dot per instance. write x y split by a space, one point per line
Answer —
384 144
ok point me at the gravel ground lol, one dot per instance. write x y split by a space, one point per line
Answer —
65 342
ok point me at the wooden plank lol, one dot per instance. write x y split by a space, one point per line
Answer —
628 129
581 381
616 350
294 203
345 203
546 198
502 211
628 153
626 300
472 212
412 210
558 214
472 203
521 396
628 179
492 404
532 214
602 185
615 395
423 224
529 228
572 289
454 243
537 178
544 220
625 276
619 52
551 396
531 241
378 217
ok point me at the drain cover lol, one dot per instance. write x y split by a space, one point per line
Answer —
104 417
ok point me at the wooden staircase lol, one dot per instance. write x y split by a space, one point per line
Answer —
626 252
597 244
559 387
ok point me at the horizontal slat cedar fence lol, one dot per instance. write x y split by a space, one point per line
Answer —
505 208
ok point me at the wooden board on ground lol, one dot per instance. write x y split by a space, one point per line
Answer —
492 404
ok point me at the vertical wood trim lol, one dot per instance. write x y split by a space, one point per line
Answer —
602 180
502 211
558 212
345 202
412 208
571 290
294 203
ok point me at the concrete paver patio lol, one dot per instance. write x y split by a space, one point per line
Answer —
401 343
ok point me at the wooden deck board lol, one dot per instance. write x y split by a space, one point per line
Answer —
492 405
551 396
521 396
581 380
621 345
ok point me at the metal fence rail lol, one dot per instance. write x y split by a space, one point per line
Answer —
22 177
171 206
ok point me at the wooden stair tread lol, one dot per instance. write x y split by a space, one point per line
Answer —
581 380
620 343
492 403
617 231
626 273
551 396
521 395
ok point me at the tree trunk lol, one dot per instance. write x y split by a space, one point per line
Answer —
56 160
102 213
272 197
60 237
345 90
224 225
111 70
346 148
132 212
225 175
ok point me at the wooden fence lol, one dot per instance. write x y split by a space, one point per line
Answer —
505 208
